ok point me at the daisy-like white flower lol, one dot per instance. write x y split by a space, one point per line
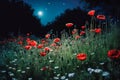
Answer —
3 71
90 70
18 70
71 74
27 67
102 63
56 78
11 74
10 67
51 61
105 74
62 77
98 70
14 79
29 78
58 74
13 68
23 72
56 67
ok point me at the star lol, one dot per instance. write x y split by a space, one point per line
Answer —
63 4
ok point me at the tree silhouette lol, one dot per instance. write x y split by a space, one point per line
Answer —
17 16
111 7
75 16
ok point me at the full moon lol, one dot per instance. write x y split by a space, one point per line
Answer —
40 13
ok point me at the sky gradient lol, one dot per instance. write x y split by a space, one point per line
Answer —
51 8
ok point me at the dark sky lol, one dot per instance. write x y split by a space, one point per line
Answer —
51 8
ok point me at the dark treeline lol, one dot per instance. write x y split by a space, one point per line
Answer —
17 16
110 7
75 16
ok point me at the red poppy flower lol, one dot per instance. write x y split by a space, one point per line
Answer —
20 42
32 43
28 47
91 12
28 34
77 37
74 31
28 39
47 36
69 25
44 68
101 17
43 41
98 30
83 27
43 53
82 33
56 40
114 54
81 56
40 46
47 49
53 45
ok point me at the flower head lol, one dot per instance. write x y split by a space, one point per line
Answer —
91 13
43 53
97 30
113 54
101 17
28 47
47 36
56 40
81 56
69 25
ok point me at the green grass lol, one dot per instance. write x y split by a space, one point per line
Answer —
61 62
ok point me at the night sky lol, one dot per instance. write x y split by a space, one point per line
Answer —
47 10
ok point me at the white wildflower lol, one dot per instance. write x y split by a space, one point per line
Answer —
98 70
71 74
23 72
62 77
10 67
51 61
56 78
27 67
105 74
29 78
56 67
18 70
3 71
58 74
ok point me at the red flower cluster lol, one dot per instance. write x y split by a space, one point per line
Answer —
32 43
113 54
81 56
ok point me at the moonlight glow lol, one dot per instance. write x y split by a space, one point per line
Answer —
40 13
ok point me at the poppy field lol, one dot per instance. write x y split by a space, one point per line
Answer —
89 53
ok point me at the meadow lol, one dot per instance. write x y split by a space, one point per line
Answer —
87 54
